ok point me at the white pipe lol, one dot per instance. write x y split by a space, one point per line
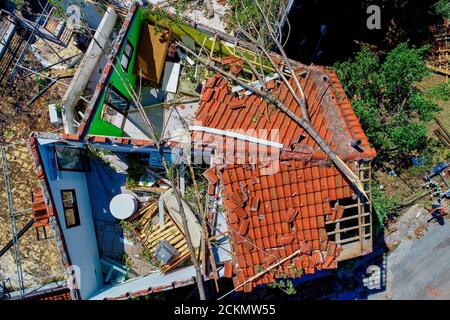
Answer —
86 68
236 135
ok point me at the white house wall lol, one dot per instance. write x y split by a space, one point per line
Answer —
81 240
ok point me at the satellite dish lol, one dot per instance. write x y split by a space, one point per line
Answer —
123 206
73 13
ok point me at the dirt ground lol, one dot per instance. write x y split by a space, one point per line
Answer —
409 182
443 115
40 259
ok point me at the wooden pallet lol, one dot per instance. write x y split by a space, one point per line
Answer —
64 34
152 235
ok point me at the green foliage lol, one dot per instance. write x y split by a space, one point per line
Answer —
42 82
58 8
129 227
422 106
282 281
136 169
20 4
442 8
408 136
161 15
392 111
8 132
440 91
126 260
434 153
172 171
245 14
382 204
284 285
189 194
147 256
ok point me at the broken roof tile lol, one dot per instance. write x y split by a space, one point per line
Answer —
285 240
228 269
211 176
207 95
287 206
243 227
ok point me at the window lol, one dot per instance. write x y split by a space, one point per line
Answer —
112 116
117 101
70 158
126 56
70 208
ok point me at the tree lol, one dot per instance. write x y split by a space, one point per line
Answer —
442 8
245 15
392 110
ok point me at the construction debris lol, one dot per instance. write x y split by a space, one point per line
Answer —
236 162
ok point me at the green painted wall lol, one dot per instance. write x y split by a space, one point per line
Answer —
103 128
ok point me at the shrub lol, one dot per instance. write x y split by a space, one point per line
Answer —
392 111
382 204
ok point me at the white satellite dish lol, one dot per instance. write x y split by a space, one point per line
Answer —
123 206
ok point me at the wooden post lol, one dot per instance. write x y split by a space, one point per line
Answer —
360 221
337 237
446 60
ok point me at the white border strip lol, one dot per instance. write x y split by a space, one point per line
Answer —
239 136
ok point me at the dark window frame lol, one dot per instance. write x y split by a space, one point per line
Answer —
128 43
73 206
121 95
84 160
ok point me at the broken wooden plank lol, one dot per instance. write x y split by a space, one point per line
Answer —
441 125
442 138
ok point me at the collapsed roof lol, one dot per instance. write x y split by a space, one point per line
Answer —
279 200
278 203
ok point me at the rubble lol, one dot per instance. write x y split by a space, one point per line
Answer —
138 111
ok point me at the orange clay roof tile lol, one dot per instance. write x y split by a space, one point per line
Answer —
293 203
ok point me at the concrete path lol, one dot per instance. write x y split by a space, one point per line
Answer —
420 269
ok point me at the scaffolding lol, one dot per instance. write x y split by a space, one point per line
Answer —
12 220
11 44
47 27
440 61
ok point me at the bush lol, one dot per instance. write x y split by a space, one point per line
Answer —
383 205
392 111
442 8
441 91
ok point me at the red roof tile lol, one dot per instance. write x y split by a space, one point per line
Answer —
243 227
39 208
211 176
228 269
283 210
59 294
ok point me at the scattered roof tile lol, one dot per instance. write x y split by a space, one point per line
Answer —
281 206
211 175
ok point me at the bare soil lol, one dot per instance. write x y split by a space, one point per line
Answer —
40 259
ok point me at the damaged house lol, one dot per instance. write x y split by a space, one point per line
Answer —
274 205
